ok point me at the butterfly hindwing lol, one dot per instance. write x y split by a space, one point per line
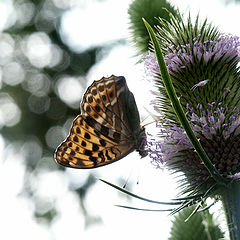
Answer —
87 148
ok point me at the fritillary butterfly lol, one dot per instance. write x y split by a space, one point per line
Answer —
108 128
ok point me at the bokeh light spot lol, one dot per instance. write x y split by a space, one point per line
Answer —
38 105
69 90
32 151
37 83
54 136
38 49
10 114
6 48
25 12
57 55
13 73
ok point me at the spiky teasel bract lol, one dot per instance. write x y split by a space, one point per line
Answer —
148 9
203 65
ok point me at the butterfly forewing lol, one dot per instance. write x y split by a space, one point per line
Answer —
102 103
107 129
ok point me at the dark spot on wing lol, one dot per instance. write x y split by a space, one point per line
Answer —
75 139
108 157
104 130
94 159
94 92
95 147
78 130
102 142
111 94
104 98
90 99
88 109
101 88
109 85
97 108
100 154
72 153
87 136
88 152
115 154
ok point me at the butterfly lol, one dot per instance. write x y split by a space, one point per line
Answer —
107 129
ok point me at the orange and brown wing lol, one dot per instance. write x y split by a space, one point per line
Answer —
86 147
101 102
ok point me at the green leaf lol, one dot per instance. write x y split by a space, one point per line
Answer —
200 226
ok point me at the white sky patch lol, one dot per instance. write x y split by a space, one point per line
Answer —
221 13
95 24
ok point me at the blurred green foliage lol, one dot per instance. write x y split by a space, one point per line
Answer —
200 226
150 10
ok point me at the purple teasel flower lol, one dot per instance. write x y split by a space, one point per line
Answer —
224 49
217 127
219 135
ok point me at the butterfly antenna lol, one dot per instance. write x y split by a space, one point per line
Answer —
156 120
145 118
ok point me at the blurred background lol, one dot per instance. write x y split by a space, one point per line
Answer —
50 51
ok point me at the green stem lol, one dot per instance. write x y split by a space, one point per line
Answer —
231 203
179 110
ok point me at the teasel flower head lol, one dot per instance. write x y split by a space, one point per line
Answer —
203 66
